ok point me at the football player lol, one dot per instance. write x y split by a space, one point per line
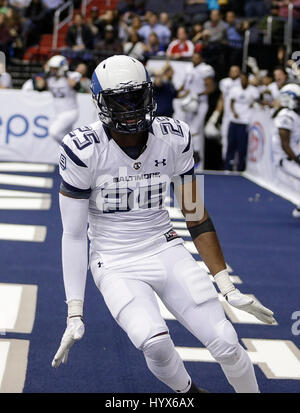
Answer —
115 174
286 140
223 106
62 84
197 86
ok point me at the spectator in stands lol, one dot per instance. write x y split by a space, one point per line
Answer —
5 37
277 30
5 78
215 43
134 47
242 98
197 33
180 47
127 6
284 8
255 8
93 20
13 20
163 32
3 6
215 28
164 19
197 10
164 91
108 18
51 6
85 82
110 44
127 28
235 33
79 35
33 22
19 6
153 47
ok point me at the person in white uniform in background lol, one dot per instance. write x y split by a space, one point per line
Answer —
242 98
62 84
198 85
223 107
115 176
286 139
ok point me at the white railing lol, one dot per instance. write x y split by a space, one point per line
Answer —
246 49
289 31
59 24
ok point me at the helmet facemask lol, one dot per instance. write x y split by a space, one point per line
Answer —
128 109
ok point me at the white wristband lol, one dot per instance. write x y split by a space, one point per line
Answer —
75 308
223 282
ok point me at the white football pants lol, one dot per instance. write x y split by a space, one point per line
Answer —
62 124
189 294
196 122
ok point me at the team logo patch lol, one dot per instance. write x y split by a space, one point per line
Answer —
170 235
137 165
163 162
63 162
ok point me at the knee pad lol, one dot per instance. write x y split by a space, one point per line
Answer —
225 348
165 363
159 349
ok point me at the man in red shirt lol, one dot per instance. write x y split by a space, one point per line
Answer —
180 47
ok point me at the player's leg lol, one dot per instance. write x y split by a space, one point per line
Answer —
133 305
197 130
62 124
224 132
242 146
190 295
231 148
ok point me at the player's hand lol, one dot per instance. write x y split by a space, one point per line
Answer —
73 332
250 305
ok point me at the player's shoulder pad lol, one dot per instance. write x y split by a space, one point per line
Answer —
207 70
80 144
287 114
174 131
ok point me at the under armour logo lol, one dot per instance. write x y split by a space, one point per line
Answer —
137 165
164 162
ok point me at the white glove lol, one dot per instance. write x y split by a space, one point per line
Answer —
241 301
250 305
73 332
211 130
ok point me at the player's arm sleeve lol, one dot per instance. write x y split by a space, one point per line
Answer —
74 215
74 195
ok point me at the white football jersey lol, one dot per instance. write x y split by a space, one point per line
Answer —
195 79
64 96
244 98
127 217
225 86
290 120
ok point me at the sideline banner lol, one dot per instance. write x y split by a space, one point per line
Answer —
261 167
25 118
